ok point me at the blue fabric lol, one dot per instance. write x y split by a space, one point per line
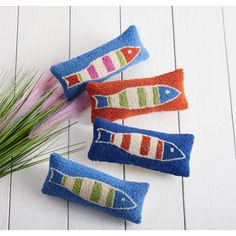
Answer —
102 101
175 145
127 193
166 97
129 38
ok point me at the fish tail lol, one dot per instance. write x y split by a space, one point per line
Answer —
56 177
102 101
104 136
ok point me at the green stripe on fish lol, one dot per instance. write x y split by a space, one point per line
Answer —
109 101
63 181
110 198
96 192
121 58
142 97
123 100
156 99
80 77
77 185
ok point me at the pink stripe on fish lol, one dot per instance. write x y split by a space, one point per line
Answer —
92 72
108 63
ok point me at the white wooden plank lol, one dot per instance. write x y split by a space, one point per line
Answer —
229 14
163 208
8 28
210 192
91 27
43 38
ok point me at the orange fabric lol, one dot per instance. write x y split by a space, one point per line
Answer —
145 145
130 53
112 138
159 150
174 79
73 80
126 141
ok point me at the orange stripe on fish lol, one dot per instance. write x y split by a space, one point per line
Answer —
125 144
145 145
112 138
159 153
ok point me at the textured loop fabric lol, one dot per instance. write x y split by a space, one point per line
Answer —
122 99
80 184
100 63
168 153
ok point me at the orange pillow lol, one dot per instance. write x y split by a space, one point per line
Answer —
125 98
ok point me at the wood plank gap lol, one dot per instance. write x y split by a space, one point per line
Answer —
69 55
123 122
15 73
229 80
179 127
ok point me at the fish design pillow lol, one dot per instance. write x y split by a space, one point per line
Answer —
125 98
100 63
168 153
89 187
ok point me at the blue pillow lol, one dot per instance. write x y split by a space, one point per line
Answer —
80 184
169 153
101 63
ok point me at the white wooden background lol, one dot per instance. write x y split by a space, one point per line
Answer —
202 40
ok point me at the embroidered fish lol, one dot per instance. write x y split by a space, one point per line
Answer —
141 145
103 66
93 191
138 97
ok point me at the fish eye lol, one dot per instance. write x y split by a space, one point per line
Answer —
123 199
129 51
172 150
167 91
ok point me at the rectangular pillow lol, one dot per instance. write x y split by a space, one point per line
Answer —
101 63
168 153
125 98
89 187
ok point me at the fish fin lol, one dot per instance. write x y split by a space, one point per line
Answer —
104 136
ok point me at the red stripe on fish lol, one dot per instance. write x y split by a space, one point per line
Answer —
125 141
145 145
159 152
72 80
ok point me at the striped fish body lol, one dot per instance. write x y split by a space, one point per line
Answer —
137 97
93 191
141 145
103 66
